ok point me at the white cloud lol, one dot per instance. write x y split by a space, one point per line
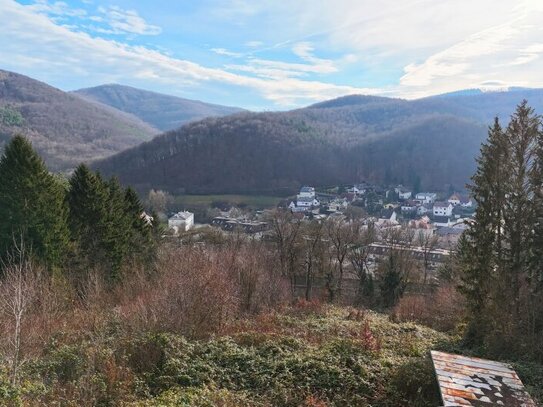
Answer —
254 44
505 54
114 19
441 45
60 51
225 52
419 47
127 22
56 9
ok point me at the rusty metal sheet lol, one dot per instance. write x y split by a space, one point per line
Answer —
465 381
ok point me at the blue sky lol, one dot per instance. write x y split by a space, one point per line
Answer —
275 55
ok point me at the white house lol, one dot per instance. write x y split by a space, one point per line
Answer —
424 209
409 206
147 219
454 199
306 202
338 205
443 209
426 197
466 202
307 192
358 189
403 193
457 199
181 221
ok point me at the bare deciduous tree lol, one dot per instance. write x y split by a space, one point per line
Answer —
358 257
427 242
18 288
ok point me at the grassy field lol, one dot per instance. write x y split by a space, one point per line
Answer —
253 201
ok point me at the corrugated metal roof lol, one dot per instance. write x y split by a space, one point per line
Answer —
465 381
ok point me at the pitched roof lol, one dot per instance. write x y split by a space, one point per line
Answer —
182 215
445 231
427 194
307 189
441 219
441 204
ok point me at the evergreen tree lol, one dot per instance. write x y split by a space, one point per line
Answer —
480 248
392 285
141 240
107 224
31 205
536 240
501 252
87 199
518 213
117 230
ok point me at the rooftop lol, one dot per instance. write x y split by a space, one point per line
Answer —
441 204
184 215
441 219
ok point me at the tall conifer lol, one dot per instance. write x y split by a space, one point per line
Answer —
481 247
32 205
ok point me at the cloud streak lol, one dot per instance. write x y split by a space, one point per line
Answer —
58 49
413 49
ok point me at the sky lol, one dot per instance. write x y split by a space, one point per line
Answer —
276 55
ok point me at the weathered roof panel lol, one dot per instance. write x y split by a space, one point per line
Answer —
465 381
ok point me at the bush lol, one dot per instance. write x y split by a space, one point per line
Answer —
443 309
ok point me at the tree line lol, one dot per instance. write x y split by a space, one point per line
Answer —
70 225
501 254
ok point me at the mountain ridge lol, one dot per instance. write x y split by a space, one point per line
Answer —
63 127
430 142
165 112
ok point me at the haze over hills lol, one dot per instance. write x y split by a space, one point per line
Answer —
165 112
428 142
63 127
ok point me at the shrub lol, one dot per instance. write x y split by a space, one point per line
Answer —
443 309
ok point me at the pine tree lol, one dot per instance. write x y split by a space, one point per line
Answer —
480 248
31 205
518 213
392 285
87 199
536 240
141 240
117 230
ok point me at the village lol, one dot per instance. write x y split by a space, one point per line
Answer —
430 223
440 214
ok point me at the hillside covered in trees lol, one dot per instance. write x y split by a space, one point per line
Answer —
164 112
427 142
63 127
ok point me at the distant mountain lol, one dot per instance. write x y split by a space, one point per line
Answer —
429 142
164 112
484 106
64 128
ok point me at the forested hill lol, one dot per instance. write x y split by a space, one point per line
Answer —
64 128
165 112
429 142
